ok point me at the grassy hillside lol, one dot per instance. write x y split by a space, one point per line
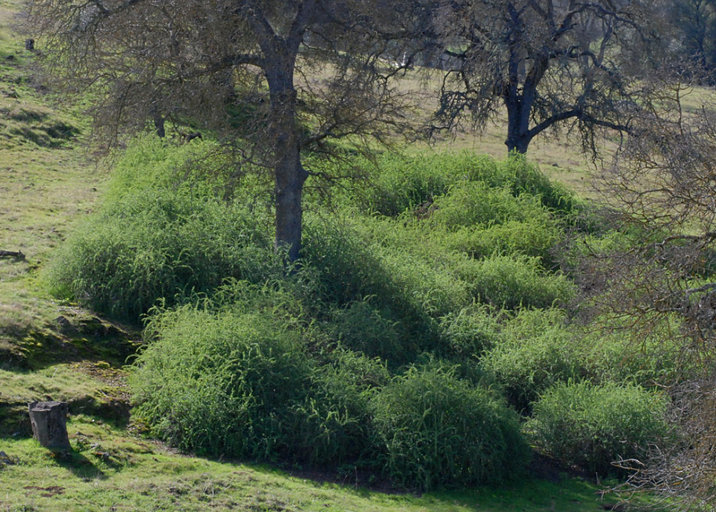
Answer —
111 470
411 273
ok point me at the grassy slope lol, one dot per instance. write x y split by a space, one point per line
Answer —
112 470
58 351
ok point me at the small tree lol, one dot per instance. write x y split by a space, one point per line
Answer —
298 72
544 61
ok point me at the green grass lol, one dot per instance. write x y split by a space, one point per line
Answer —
112 470
46 183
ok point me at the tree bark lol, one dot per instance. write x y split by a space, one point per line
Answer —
49 426
289 172
518 137
158 119
290 177
519 107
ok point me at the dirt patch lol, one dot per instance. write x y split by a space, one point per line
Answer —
45 492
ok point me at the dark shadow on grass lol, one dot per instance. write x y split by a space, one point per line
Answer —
79 465
114 412
360 482
14 421
525 492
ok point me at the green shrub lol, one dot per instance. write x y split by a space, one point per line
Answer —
535 351
150 247
478 204
409 269
438 431
223 383
583 248
348 264
200 169
592 426
525 178
354 265
239 376
512 281
400 183
365 328
469 332
431 288
617 353
151 163
533 237
164 231
333 425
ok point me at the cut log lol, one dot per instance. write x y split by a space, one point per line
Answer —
12 254
49 424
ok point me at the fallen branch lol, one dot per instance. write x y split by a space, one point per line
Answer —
12 254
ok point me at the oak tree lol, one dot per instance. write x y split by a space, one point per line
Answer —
546 62
299 73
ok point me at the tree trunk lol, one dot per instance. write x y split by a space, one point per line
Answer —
289 172
290 177
518 116
158 119
517 144
517 140
49 426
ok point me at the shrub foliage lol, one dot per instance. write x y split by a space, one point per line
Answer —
439 431
593 426
439 258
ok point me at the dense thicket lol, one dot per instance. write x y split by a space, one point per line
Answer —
452 291
664 281
694 38
428 302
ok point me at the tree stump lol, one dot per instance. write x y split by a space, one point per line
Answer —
49 425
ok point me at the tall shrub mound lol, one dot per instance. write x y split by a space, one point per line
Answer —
439 431
592 426
403 183
146 248
161 232
334 424
535 351
222 383
241 376
246 359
